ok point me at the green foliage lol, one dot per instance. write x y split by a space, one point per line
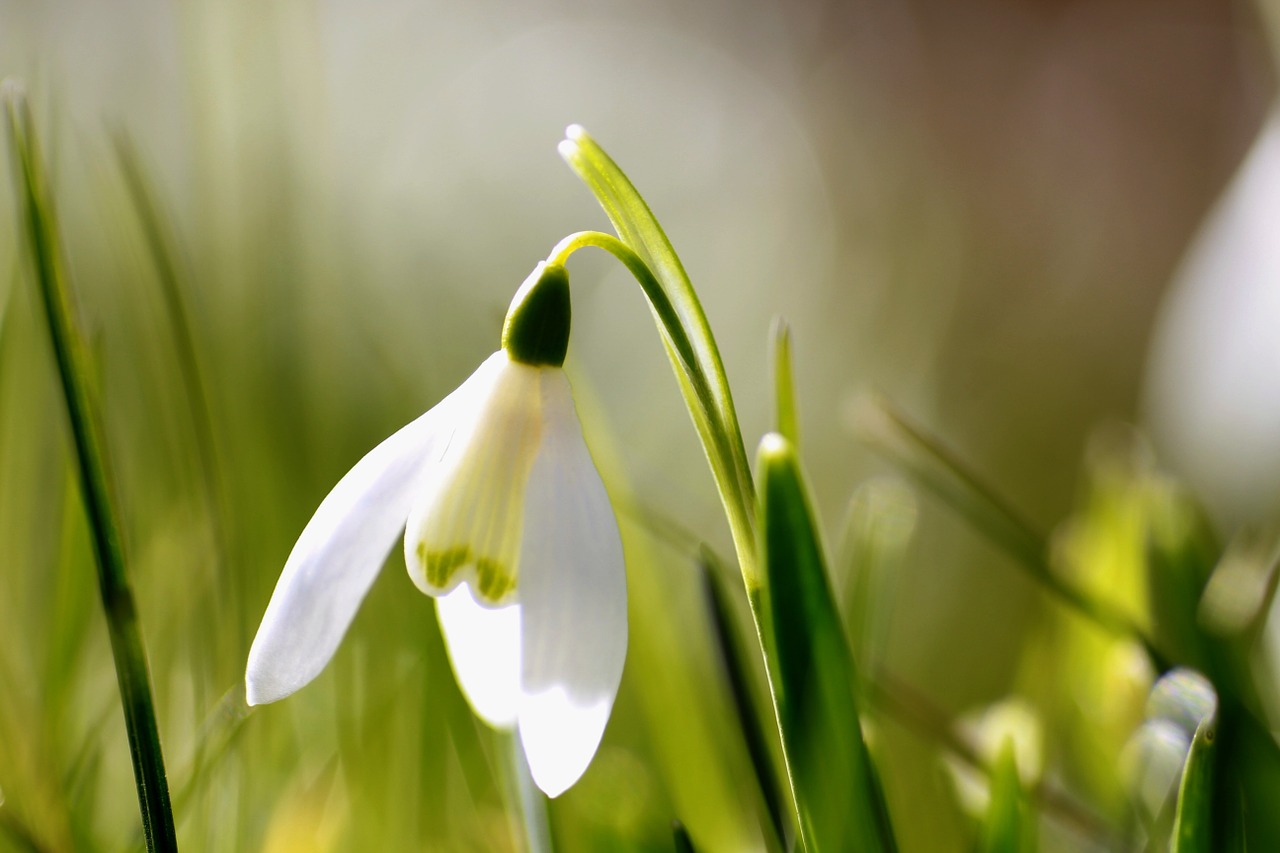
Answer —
1009 826
839 797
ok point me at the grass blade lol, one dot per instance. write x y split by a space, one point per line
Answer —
74 370
1188 700
937 470
1009 826
749 721
837 793
784 392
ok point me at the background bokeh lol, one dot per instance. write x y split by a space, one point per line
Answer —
973 206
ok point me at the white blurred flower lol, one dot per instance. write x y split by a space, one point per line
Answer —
1213 381
507 525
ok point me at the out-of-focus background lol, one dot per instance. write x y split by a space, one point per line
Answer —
975 207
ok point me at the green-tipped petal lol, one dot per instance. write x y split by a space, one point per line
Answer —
466 523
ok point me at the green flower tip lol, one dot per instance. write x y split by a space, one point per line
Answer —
536 332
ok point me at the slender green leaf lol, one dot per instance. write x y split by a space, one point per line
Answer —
174 290
838 797
772 788
75 371
700 370
1193 829
1184 701
1009 826
784 392
937 470
878 531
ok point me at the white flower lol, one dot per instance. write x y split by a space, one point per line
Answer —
507 525
1213 375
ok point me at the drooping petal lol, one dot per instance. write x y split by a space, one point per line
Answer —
341 549
483 642
574 594
465 526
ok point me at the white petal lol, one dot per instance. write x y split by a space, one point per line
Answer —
574 593
340 551
484 648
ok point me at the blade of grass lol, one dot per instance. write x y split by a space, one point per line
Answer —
1187 699
833 777
164 255
784 392
908 707
924 458
1007 826
878 530
75 372
749 722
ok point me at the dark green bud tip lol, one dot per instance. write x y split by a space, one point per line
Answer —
537 328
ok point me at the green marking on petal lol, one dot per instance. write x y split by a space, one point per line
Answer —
440 566
493 581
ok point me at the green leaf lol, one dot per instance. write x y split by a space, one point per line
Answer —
837 793
784 392
686 334
1185 699
1009 825
878 531
732 655
1192 821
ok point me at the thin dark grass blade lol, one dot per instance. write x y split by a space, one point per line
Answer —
75 372
164 255
750 723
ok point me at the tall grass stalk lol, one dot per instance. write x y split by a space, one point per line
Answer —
75 372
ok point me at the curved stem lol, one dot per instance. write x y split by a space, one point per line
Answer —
733 478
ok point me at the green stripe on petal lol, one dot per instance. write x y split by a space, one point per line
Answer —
468 523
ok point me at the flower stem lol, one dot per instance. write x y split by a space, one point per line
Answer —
74 370
733 480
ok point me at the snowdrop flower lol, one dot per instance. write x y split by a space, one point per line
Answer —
1213 377
507 526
